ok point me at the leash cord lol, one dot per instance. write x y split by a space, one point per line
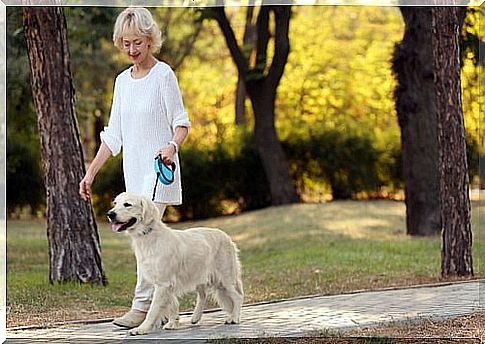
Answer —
155 188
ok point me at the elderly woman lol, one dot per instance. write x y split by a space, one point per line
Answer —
147 119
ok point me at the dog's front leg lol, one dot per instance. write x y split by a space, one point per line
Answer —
155 313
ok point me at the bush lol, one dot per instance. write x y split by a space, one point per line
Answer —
213 176
233 172
473 157
209 177
108 183
343 162
347 162
25 184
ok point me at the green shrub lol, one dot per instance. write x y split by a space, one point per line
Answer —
344 162
390 166
347 162
108 183
472 153
252 187
25 184
212 176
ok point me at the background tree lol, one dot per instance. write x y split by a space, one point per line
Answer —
261 82
456 255
249 39
73 237
416 110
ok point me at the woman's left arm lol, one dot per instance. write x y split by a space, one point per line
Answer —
177 117
168 152
179 136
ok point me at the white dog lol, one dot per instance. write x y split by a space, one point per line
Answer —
200 259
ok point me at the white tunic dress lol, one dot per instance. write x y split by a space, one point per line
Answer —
144 115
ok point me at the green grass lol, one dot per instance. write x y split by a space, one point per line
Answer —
285 252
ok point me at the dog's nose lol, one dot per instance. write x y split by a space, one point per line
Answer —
111 215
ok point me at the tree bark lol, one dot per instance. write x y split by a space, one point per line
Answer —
416 110
240 107
269 146
456 255
248 41
261 85
74 251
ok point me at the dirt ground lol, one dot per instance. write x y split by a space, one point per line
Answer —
465 329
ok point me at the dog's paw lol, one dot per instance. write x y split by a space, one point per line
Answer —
231 321
140 330
195 318
172 325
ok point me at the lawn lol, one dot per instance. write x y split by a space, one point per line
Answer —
286 251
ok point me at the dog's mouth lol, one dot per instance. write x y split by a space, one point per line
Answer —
122 226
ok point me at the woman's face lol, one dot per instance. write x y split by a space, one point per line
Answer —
137 47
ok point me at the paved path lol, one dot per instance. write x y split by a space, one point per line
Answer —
292 318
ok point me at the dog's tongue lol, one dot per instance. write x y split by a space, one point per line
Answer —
116 226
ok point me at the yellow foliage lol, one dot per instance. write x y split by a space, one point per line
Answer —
338 75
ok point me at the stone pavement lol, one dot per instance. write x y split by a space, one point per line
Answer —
298 317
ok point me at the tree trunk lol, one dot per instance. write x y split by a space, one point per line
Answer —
456 254
261 85
240 102
269 146
74 250
416 110
248 40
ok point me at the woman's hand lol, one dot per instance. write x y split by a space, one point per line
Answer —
85 186
167 153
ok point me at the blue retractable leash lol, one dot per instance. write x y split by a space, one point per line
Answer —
165 173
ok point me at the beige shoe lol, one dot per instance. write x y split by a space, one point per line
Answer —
131 319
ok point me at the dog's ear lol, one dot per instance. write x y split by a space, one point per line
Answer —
149 211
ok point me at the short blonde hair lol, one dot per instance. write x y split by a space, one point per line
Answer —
141 20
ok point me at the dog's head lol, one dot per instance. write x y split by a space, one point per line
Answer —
132 213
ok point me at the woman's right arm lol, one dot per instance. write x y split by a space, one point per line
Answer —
85 185
111 139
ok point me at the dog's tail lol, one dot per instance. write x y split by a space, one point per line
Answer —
230 257
237 267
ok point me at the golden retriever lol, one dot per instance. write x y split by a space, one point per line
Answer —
204 260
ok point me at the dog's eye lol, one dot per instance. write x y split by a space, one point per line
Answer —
127 205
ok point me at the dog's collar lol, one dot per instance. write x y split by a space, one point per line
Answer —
147 231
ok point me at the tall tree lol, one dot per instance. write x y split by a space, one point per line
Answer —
416 109
417 115
261 82
456 256
74 250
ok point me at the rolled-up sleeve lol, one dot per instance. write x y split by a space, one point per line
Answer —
173 102
111 135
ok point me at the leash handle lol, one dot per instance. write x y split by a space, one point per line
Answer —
167 172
